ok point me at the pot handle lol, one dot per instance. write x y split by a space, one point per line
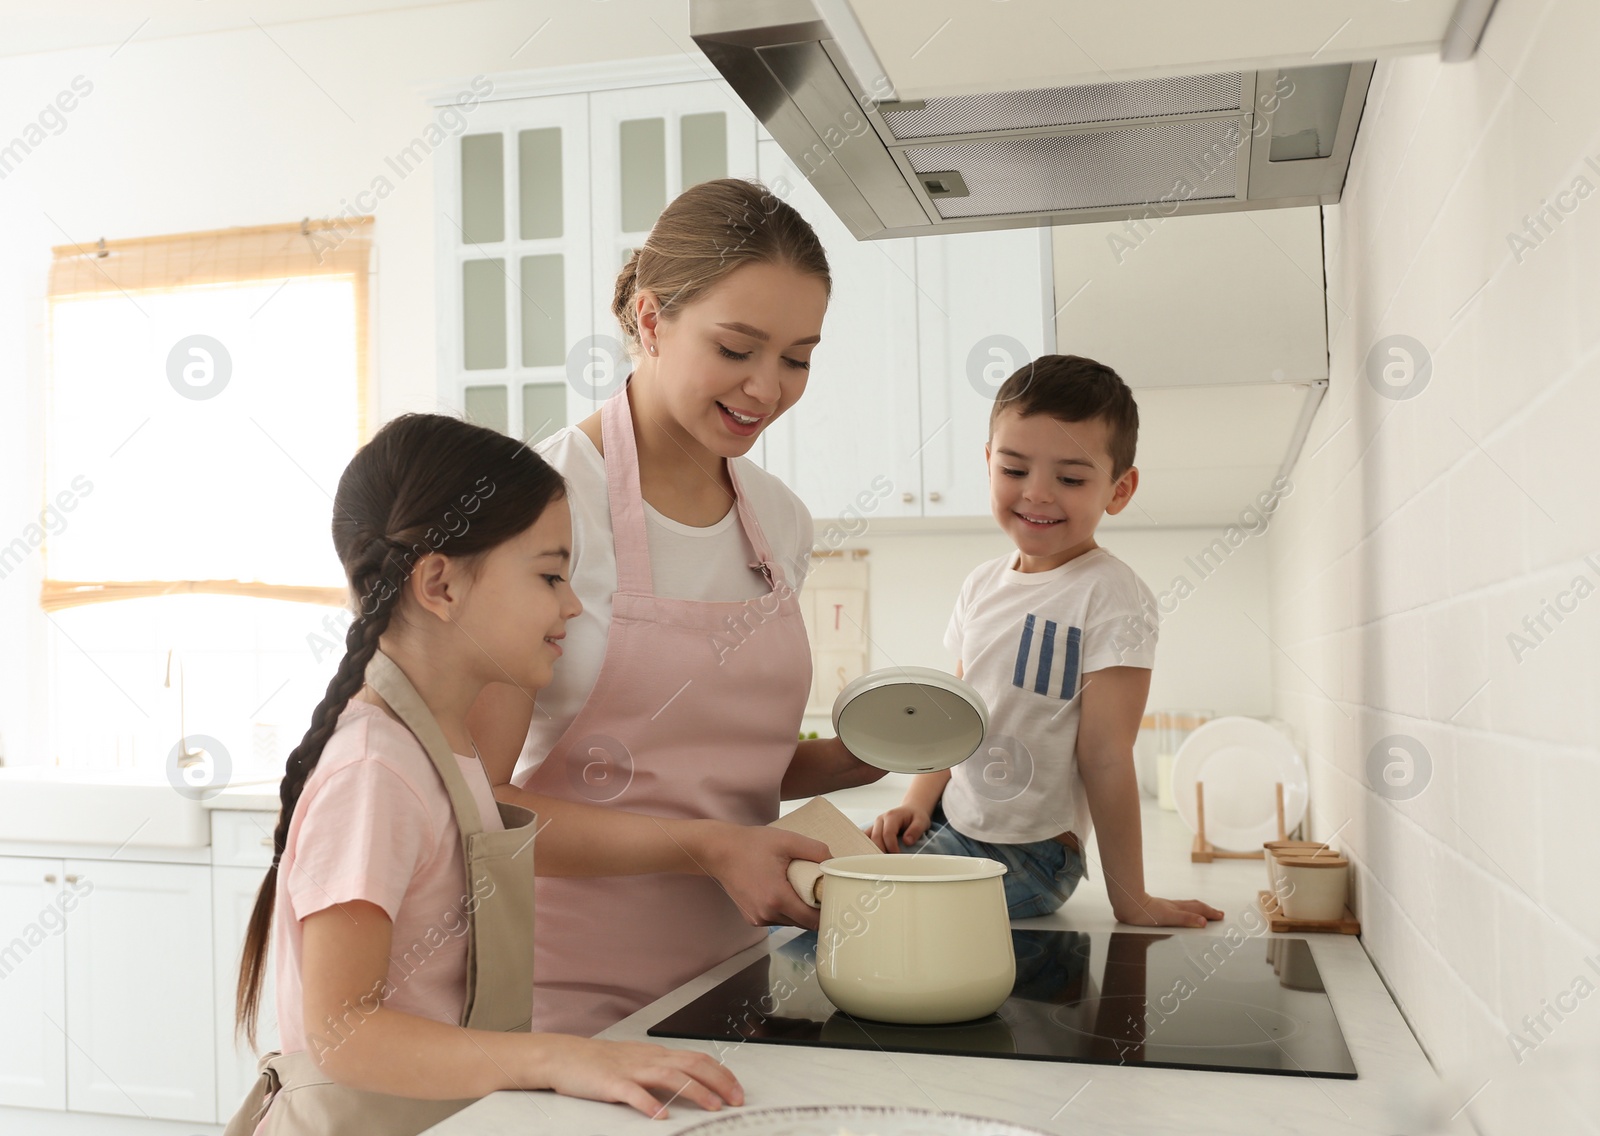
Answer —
805 876
821 820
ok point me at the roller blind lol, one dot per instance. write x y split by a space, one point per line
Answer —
206 390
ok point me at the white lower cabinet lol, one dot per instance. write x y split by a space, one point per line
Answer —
33 1013
241 850
139 991
117 979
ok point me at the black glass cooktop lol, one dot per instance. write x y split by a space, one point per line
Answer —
1250 1005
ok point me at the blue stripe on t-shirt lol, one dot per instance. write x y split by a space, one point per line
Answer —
1047 651
1069 679
1021 671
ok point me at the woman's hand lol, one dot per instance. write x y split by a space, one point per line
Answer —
637 1074
903 824
752 864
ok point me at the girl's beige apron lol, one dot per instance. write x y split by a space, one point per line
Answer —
695 714
303 1100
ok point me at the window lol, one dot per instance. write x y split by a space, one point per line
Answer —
207 391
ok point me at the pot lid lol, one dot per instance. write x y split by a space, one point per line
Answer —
910 719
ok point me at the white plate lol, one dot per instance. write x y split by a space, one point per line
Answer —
1239 760
855 1120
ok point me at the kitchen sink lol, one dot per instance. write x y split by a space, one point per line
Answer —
116 807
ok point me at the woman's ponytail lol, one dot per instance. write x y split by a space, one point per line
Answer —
622 297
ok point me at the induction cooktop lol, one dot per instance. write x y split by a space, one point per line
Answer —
1223 1003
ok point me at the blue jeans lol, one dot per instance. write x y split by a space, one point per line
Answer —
1039 876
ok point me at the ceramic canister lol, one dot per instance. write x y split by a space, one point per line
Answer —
1272 849
1314 887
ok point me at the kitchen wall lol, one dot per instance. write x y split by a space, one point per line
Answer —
260 126
915 577
234 128
1434 574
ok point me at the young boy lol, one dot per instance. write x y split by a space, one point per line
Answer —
1059 638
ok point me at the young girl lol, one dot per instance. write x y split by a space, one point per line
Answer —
401 897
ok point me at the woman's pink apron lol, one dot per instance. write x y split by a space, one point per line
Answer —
695 714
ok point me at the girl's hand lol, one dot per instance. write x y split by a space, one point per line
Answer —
636 1074
752 864
902 824
1153 911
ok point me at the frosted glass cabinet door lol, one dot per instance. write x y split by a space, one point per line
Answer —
515 243
984 310
140 1013
851 446
33 1004
648 144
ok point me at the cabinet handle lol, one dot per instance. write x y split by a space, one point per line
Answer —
72 879
934 496
907 498
266 842
50 879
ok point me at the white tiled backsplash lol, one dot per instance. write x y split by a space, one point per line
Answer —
1412 567
1209 655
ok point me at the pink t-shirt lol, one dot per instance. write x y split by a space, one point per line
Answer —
374 823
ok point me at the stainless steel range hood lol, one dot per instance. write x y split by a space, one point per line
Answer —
1109 151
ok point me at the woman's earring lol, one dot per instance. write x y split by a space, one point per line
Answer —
652 349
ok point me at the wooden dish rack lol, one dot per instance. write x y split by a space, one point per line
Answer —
1203 851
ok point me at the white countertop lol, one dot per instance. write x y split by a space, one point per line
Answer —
251 796
1394 1083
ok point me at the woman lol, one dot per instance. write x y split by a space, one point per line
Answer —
669 731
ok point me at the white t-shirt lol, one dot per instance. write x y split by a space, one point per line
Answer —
1026 640
711 563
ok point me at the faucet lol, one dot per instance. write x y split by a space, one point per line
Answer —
189 757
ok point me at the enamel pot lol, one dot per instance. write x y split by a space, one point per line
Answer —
915 939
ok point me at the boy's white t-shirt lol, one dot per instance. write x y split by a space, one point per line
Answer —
686 562
1026 640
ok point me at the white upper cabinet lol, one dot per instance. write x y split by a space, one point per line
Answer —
514 265
647 145
858 425
1223 300
919 334
542 202
983 311
550 193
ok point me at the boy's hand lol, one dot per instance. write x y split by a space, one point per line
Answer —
903 823
1154 911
